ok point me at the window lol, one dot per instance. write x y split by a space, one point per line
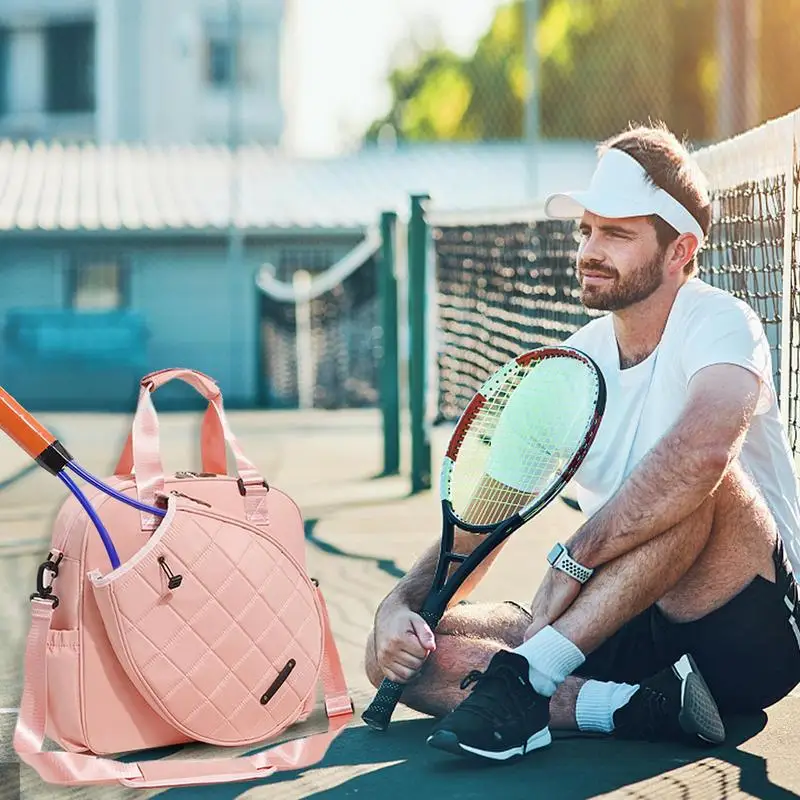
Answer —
98 285
229 54
70 67
220 62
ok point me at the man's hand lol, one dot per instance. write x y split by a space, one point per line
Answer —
556 594
403 642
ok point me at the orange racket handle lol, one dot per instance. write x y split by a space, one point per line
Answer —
30 434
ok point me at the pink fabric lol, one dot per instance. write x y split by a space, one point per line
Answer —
141 454
73 769
97 667
212 447
202 653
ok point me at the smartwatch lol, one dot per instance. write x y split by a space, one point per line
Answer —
559 558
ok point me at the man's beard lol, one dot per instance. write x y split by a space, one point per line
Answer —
620 292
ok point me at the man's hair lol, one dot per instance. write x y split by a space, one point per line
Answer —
668 165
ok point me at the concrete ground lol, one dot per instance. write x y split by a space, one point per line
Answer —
363 532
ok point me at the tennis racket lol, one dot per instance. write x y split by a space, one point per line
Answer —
50 454
517 444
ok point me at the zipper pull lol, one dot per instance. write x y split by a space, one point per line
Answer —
193 499
173 581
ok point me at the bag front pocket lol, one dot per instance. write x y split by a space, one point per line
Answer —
217 626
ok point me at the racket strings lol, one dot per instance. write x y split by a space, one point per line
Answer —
523 438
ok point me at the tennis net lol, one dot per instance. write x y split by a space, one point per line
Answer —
506 285
321 335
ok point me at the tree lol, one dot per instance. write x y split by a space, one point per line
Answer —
609 62
780 79
444 96
603 63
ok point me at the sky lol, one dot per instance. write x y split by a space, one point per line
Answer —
338 53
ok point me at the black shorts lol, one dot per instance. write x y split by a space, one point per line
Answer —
748 650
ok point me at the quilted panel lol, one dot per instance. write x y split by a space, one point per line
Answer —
204 653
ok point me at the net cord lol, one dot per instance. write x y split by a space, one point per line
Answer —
284 292
787 275
759 154
750 157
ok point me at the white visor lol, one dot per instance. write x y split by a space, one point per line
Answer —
620 188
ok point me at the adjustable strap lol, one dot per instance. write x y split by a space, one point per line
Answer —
74 769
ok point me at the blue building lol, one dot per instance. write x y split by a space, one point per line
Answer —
122 259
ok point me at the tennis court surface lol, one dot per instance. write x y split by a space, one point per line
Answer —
363 531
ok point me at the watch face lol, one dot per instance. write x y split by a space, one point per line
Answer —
555 553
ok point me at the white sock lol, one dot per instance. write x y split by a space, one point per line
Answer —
597 702
551 657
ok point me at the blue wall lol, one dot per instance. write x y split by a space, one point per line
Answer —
199 315
195 312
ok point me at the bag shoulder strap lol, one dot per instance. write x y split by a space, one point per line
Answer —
75 769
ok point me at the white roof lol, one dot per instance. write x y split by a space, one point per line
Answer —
66 187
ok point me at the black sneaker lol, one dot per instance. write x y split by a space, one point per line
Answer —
502 718
674 704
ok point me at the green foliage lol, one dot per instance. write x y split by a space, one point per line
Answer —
780 78
603 63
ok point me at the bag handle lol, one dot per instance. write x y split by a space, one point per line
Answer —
212 441
76 769
145 456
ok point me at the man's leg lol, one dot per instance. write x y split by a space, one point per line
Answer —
468 636
690 570
733 526
466 639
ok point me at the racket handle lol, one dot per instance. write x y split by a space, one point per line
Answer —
378 714
31 435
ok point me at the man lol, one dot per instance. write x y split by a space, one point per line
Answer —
686 604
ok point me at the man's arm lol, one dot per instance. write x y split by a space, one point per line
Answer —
680 472
491 502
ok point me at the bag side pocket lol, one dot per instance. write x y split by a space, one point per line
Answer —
64 723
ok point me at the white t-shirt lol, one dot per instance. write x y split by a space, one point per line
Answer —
706 326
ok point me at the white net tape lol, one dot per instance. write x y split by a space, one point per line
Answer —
324 282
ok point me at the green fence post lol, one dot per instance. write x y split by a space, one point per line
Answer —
417 321
390 385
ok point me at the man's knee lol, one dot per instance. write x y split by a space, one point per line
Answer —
737 490
740 507
503 622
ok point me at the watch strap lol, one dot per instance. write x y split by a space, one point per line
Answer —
566 563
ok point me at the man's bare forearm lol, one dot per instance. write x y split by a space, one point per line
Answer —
490 503
680 472
412 589
669 484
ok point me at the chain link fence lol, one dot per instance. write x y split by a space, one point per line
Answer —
708 68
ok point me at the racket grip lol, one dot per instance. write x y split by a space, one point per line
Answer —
378 714
31 435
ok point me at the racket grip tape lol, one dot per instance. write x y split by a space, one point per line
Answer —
31 435
378 714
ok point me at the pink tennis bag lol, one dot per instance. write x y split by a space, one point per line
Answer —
209 631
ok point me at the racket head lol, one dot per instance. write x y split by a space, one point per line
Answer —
522 437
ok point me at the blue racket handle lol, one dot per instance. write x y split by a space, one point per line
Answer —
378 714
